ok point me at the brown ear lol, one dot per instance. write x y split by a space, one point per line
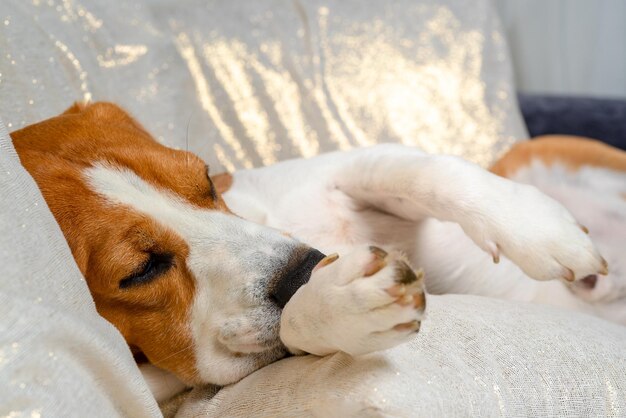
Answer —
222 182
77 107
66 132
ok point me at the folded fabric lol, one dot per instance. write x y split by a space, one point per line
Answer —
474 356
58 357
248 83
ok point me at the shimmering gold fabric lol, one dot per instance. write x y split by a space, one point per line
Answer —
246 84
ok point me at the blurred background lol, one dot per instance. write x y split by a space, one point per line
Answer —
569 59
569 47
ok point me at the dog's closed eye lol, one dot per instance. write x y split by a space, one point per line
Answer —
212 191
155 266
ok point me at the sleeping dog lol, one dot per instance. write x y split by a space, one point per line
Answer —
210 295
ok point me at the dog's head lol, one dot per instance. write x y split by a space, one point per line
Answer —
190 285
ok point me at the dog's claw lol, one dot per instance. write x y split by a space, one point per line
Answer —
494 250
408 326
331 258
378 263
406 276
584 229
419 300
569 275
605 267
379 252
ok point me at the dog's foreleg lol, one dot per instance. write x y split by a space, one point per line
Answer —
500 216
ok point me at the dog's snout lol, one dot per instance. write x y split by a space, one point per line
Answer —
294 277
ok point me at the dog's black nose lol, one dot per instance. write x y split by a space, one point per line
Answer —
294 277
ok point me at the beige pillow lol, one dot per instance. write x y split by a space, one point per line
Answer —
58 357
473 356
248 83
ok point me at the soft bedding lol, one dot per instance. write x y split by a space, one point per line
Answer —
473 356
58 357
248 83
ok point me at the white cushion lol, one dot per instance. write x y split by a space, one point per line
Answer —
261 81
473 356
58 357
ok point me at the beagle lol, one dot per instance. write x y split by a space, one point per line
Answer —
210 296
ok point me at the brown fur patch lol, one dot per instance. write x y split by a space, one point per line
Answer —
574 152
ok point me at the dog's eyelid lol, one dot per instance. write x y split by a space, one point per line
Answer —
152 268
212 191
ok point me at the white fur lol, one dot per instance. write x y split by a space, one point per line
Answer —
597 198
438 210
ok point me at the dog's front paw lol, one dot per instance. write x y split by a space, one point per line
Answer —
538 234
364 301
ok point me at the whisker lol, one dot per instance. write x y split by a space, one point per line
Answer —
187 139
175 353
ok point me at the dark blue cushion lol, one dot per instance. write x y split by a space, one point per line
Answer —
603 119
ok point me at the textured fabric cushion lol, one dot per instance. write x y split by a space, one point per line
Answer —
603 119
474 356
249 83
58 357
